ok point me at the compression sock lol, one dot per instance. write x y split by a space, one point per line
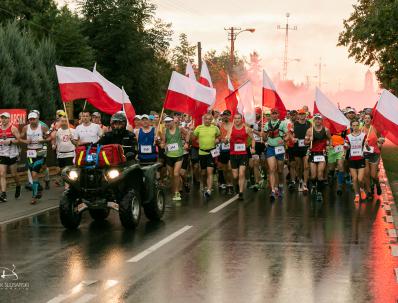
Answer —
47 174
35 188
340 178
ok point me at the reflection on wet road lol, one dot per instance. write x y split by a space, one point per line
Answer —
294 250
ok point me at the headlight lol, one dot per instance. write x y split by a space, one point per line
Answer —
73 175
113 174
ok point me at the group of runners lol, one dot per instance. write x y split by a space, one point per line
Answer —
298 152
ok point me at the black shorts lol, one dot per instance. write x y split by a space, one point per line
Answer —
239 160
162 154
224 157
260 148
171 161
8 161
185 161
206 161
249 152
62 162
300 152
36 164
290 154
195 155
146 161
372 158
311 158
356 164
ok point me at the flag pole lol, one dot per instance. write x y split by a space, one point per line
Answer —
67 117
85 104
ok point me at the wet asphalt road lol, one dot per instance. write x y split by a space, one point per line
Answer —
293 250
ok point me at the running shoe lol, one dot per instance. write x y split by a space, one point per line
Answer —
305 189
378 189
357 199
34 201
291 185
272 196
300 186
363 195
240 196
222 186
3 197
230 190
207 194
177 197
17 191
255 187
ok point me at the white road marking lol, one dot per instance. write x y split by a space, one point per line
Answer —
158 245
85 298
28 216
218 208
110 283
63 297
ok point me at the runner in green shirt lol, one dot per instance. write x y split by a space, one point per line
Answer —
207 135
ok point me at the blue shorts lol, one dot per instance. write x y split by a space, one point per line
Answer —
270 152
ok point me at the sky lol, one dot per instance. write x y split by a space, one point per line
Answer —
318 25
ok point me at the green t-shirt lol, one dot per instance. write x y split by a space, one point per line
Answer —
282 131
206 136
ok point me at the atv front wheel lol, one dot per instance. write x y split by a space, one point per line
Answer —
130 210
154 210
70 217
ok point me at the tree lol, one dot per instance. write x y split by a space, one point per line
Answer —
182 53
371 35
130 47
27 77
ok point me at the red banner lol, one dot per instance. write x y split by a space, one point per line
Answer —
18 116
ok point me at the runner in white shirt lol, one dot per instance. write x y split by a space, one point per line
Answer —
61 142
87 132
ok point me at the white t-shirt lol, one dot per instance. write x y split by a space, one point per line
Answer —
65 148
88 134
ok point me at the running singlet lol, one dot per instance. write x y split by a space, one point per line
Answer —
319 141
35 148
65 148
238 141
6 150
174 144
356 146
300 131
146 146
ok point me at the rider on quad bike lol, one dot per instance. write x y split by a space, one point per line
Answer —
106 176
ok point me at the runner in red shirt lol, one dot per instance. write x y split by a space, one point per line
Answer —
237 137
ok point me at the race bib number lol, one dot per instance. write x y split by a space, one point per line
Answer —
256 138
255 157
339 148
172 147
239 147
356 152
369 150
225 146
301 143
215 152
31 153
319 158
146 149
90 158
279 150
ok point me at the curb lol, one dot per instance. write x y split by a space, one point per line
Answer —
391 213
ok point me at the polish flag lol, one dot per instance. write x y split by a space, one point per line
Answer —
242 101
205 78
333 118
271 98
185 95
189 72
116 95
385 116
80 83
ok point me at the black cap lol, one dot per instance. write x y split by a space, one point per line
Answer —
226 112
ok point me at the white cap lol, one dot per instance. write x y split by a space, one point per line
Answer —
168 119
137 117
33 115
145 116
5 114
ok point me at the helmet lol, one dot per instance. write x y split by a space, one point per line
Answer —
119 117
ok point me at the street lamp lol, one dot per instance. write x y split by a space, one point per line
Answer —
233 32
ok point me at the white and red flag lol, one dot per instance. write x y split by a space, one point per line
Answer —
385 116
242 101
231 87
333 118
271 98
185 95
114 94
205 78
189 72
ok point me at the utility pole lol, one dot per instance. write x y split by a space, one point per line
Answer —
200 56
233 32
285 56
320 66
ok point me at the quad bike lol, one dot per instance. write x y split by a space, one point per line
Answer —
106 181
